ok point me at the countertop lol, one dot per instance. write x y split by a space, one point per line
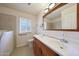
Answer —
56 45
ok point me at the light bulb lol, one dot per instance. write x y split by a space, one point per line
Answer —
46 10
51 5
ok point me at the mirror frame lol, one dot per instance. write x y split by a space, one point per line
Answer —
56 7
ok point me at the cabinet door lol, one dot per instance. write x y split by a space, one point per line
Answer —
34 47
48 52
42 50
37 48
69 17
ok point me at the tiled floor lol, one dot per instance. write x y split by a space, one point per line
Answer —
22 51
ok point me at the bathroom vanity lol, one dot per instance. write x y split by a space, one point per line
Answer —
46 46
40 49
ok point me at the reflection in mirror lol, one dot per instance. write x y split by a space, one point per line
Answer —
62 18
53 22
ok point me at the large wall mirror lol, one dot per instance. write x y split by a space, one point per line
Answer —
62 18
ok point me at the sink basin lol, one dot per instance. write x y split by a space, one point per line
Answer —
72 50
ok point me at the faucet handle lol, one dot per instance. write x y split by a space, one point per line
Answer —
63 40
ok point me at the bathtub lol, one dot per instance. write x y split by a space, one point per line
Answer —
6 42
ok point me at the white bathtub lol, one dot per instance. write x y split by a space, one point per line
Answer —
6 42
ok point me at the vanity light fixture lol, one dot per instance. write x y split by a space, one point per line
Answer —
51 5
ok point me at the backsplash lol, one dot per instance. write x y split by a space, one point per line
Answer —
55 34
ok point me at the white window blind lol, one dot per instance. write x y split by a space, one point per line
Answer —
25 25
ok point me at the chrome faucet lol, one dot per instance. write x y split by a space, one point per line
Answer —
63 40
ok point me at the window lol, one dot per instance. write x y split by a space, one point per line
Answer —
25 25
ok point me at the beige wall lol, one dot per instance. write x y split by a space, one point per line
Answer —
7 22
21 39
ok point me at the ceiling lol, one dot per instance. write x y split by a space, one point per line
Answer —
32 8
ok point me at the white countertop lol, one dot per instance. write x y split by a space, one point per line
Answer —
56 45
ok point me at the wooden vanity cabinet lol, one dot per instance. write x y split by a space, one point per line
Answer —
41 49
36 48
